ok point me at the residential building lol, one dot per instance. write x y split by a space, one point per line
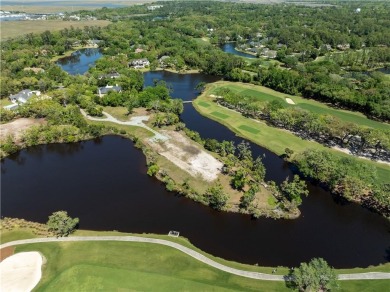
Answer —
104 90
23 96
139 63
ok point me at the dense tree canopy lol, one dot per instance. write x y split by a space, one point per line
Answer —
61 224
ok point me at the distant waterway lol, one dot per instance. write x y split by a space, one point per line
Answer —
104 183
231 49
80 61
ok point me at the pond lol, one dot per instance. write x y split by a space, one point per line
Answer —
80 61
104 183
230 48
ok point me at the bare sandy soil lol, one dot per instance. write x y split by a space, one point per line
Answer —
6 252
18 126
190 157
347 151
21 272
289 100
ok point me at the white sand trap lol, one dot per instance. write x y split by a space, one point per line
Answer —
20 272
289 101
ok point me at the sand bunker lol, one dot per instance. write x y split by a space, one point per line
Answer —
188 156
289 101
20 272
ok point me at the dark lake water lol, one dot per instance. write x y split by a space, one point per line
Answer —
104 183
80 61
230 48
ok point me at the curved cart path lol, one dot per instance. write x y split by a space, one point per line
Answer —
192 253
134 121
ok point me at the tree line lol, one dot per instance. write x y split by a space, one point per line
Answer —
323 128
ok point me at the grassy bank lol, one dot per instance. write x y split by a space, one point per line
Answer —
141 266
263 94
111 266
274 139
197 184
12 29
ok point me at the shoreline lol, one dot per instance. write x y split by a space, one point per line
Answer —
70 52
192 253
169 177
282 270
206 112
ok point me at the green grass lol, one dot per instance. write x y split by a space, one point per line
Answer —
365 285
205 41
204 104
274 139
220 115
120 112
12 29
4 102
112 266
21 233
262 94
249 129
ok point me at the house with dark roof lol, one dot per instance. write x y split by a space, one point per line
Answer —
104 90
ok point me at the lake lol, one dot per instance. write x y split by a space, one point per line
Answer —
80 61
230 48
104 183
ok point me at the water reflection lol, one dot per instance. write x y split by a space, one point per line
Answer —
80 61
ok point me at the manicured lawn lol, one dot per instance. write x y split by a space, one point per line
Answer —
274 139
220 115
249 129
365 285
262 94
113 266
204 104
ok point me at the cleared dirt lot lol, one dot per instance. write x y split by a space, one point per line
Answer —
18 126
185 154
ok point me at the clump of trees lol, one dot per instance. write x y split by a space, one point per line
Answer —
316 275
216 197
355 180
61 224
323 128
248 174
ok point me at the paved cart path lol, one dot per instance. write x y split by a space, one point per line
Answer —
190 252
134 121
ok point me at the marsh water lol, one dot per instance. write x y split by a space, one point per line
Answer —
104 183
